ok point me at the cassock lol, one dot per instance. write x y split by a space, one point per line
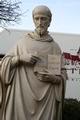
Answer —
25 97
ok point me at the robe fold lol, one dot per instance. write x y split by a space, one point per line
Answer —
28 98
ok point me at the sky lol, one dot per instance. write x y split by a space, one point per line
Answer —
65 15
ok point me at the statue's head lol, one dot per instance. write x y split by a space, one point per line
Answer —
42 18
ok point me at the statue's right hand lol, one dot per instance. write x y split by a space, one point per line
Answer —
29 58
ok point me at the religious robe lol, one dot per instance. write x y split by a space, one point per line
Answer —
24 96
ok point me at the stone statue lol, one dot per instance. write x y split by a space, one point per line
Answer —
29 90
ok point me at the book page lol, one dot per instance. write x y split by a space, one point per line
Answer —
54 64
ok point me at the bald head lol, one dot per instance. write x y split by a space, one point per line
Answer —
42 19
43 10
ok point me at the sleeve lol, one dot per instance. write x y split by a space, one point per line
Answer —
60 89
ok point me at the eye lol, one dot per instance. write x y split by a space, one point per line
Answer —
36 18
43 18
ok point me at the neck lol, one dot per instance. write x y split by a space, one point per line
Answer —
41 35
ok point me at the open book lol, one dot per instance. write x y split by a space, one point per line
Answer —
54 64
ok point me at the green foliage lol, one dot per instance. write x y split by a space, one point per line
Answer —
71 109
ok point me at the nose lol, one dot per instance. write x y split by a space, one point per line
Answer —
39 21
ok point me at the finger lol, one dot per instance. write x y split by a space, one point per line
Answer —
47 76
32 61
35 57
45 70
39 77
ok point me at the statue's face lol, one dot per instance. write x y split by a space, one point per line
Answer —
41 23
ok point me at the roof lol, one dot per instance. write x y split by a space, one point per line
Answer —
9 37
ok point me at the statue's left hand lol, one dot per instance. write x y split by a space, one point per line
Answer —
47 77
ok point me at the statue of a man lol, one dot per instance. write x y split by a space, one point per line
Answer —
30 91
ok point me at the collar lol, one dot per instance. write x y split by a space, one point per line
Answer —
44 38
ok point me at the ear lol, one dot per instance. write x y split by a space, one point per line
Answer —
49 23
33 18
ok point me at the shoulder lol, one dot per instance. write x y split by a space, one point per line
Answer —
56 47
29 35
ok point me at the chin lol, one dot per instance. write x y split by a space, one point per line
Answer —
41 32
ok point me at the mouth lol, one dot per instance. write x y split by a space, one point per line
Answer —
40 26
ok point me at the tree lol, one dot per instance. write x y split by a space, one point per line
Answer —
9 11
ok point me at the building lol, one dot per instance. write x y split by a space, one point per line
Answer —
72 62
70 45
